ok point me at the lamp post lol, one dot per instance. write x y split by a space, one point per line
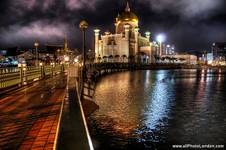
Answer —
36 44
83 26
52 67
23 76
42 70
21 73
160 39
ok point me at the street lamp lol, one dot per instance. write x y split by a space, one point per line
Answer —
23 77
36 44
66 58
83 26
161 38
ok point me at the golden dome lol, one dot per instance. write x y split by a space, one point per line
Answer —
127 15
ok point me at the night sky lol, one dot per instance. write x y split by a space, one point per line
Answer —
188 24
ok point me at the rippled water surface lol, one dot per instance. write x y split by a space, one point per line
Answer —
155 109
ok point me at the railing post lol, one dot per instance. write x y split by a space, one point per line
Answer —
21 76
24 66
62 67
43 71
52 68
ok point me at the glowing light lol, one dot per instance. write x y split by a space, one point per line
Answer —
19 65
161 38
210 62
75 60
36 44
66 58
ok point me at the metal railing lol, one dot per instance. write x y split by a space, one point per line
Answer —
26 74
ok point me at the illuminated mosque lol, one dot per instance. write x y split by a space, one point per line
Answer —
126 44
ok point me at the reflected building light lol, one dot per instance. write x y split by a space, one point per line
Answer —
159 103
203 75
219 74
147 78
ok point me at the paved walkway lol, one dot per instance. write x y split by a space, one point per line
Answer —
29 118
74 132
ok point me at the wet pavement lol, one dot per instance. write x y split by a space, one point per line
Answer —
29 117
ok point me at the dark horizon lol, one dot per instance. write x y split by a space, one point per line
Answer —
189 25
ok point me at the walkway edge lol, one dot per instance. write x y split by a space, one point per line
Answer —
58 125
84 120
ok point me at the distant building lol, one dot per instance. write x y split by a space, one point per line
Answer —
218 55
169 49
182 58
13 51
56 52
126 44
3 52
219 51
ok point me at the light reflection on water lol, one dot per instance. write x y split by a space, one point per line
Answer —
148 109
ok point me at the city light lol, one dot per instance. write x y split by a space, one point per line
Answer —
161 38
75 60
19 65
66 58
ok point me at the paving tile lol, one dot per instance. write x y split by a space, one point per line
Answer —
25 147
30 125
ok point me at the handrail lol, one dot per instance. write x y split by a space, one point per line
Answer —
83 114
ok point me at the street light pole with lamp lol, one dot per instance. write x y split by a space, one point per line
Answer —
160 39
83 26
36 44
23 76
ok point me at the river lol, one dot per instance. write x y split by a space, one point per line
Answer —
155 109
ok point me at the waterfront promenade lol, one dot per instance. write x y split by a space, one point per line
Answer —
30 116
46 114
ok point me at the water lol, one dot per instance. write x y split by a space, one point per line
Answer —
156 109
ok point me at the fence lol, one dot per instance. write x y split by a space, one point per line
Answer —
24 74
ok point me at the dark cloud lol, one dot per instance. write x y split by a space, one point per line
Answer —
187 8
189 24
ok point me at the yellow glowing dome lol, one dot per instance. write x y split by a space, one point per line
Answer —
127 15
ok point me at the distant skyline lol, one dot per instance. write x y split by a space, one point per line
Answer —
188 24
